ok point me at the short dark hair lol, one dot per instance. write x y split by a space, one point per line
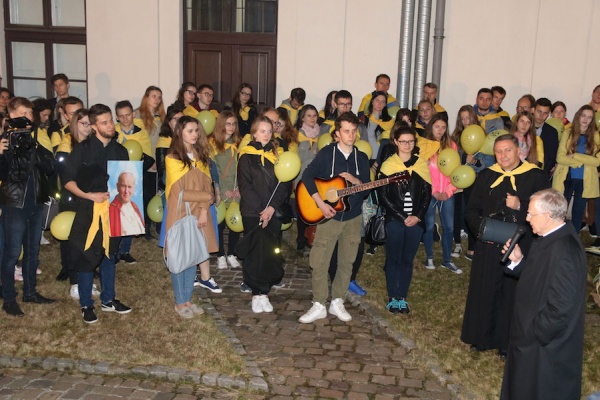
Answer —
596 88
558 104
205 86
431 85
123 104
96 110
346 117
69 101
528 97
498 89
17 102
544 102
382 76
59 77
485 90
508 136
343 94
298 94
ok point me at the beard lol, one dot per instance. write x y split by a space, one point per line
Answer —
107 135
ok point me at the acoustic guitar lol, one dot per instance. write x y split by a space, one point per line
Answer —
334 192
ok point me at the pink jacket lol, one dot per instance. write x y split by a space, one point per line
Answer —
440 182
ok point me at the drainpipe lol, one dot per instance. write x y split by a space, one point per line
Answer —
422 50
438 42
404 59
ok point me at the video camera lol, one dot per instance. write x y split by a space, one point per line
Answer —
18 133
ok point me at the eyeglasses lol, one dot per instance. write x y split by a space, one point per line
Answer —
208 94
534 215
521 109
230 123
191 92
175 119
85 124
406 142
248 94
277 124
344 104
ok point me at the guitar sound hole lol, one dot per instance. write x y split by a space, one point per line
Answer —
331 195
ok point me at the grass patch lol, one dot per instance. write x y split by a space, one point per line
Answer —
152 334
437 300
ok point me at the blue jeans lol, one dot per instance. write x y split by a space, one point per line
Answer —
574 188
22 227
400 249
183 285
446 210
125 246
107 283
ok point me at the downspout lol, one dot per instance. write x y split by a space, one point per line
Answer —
438 42
404 59
422 50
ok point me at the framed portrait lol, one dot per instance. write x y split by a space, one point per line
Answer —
126 211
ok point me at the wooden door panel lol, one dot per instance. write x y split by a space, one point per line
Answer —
211 63
256 66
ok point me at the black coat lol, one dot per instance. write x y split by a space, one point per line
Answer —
545 353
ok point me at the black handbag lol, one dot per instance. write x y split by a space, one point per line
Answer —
375 231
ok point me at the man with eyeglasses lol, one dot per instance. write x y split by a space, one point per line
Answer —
545 351
546 132
70 106
488 118
206 95
343 102
502 192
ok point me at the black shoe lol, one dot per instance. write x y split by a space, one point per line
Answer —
38 299
116 306
127 258
63 275
436 233
89 315
502 353
13 309
474 347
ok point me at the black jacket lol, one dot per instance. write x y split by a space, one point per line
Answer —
391 198
20 165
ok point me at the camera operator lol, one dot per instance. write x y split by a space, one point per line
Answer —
24 168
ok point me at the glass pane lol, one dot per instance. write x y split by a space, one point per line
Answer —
28 59
30 88
68 13
26 12
70 59
79 89
257 16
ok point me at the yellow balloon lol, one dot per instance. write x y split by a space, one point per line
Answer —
472 138
557 124
490 139
155 209
324 140
287 166
208 120
448 159
393 110
285 227
365 147
233 217
221 210
372 174
463 176
61 225
134 148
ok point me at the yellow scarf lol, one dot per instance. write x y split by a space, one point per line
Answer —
176 169
386 126
526 166
303 138
100 217
65 145
244 113
394 164
269 155
228 146
163 142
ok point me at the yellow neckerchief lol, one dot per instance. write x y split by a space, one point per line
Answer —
269 155
163 142
292 112
176 169
244 113
190 111
65 145
228 146
386 126
303 138
100 216
526 166
43 139
394 164
427 147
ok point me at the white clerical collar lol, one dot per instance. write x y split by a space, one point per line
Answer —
554 230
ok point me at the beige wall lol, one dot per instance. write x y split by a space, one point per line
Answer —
131 45
545 48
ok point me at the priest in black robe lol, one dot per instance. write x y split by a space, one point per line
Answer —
502 192
545 351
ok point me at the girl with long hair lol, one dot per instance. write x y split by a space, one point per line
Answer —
377 120
242 105
329 108
531 147
186 97
188 171
577 160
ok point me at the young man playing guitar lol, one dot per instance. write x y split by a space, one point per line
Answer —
341 227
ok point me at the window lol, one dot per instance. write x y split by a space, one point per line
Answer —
249 16
43 38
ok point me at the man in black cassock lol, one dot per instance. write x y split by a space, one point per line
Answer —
501 191
545 351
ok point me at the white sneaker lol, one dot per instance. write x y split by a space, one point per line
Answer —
463 234
429 264
74 292
457 251
95 291
233 261
266 304
257 304
337 308
221 262
317 311
43 240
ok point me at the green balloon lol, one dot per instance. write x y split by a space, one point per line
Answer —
463 176
490 139
472 138
448 160
207 119
557 124
393 110
155 209
134 148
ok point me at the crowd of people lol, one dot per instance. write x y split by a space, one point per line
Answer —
235 163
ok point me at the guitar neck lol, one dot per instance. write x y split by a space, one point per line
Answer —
362 187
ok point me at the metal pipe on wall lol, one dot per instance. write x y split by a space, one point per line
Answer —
422 50
405 55
438 42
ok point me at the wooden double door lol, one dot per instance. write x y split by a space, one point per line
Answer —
225 60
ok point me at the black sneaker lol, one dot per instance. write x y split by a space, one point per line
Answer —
89 316
127 258
116 306
371 250
37 299
13 309
245 288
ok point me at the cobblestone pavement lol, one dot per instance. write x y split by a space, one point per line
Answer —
327 359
